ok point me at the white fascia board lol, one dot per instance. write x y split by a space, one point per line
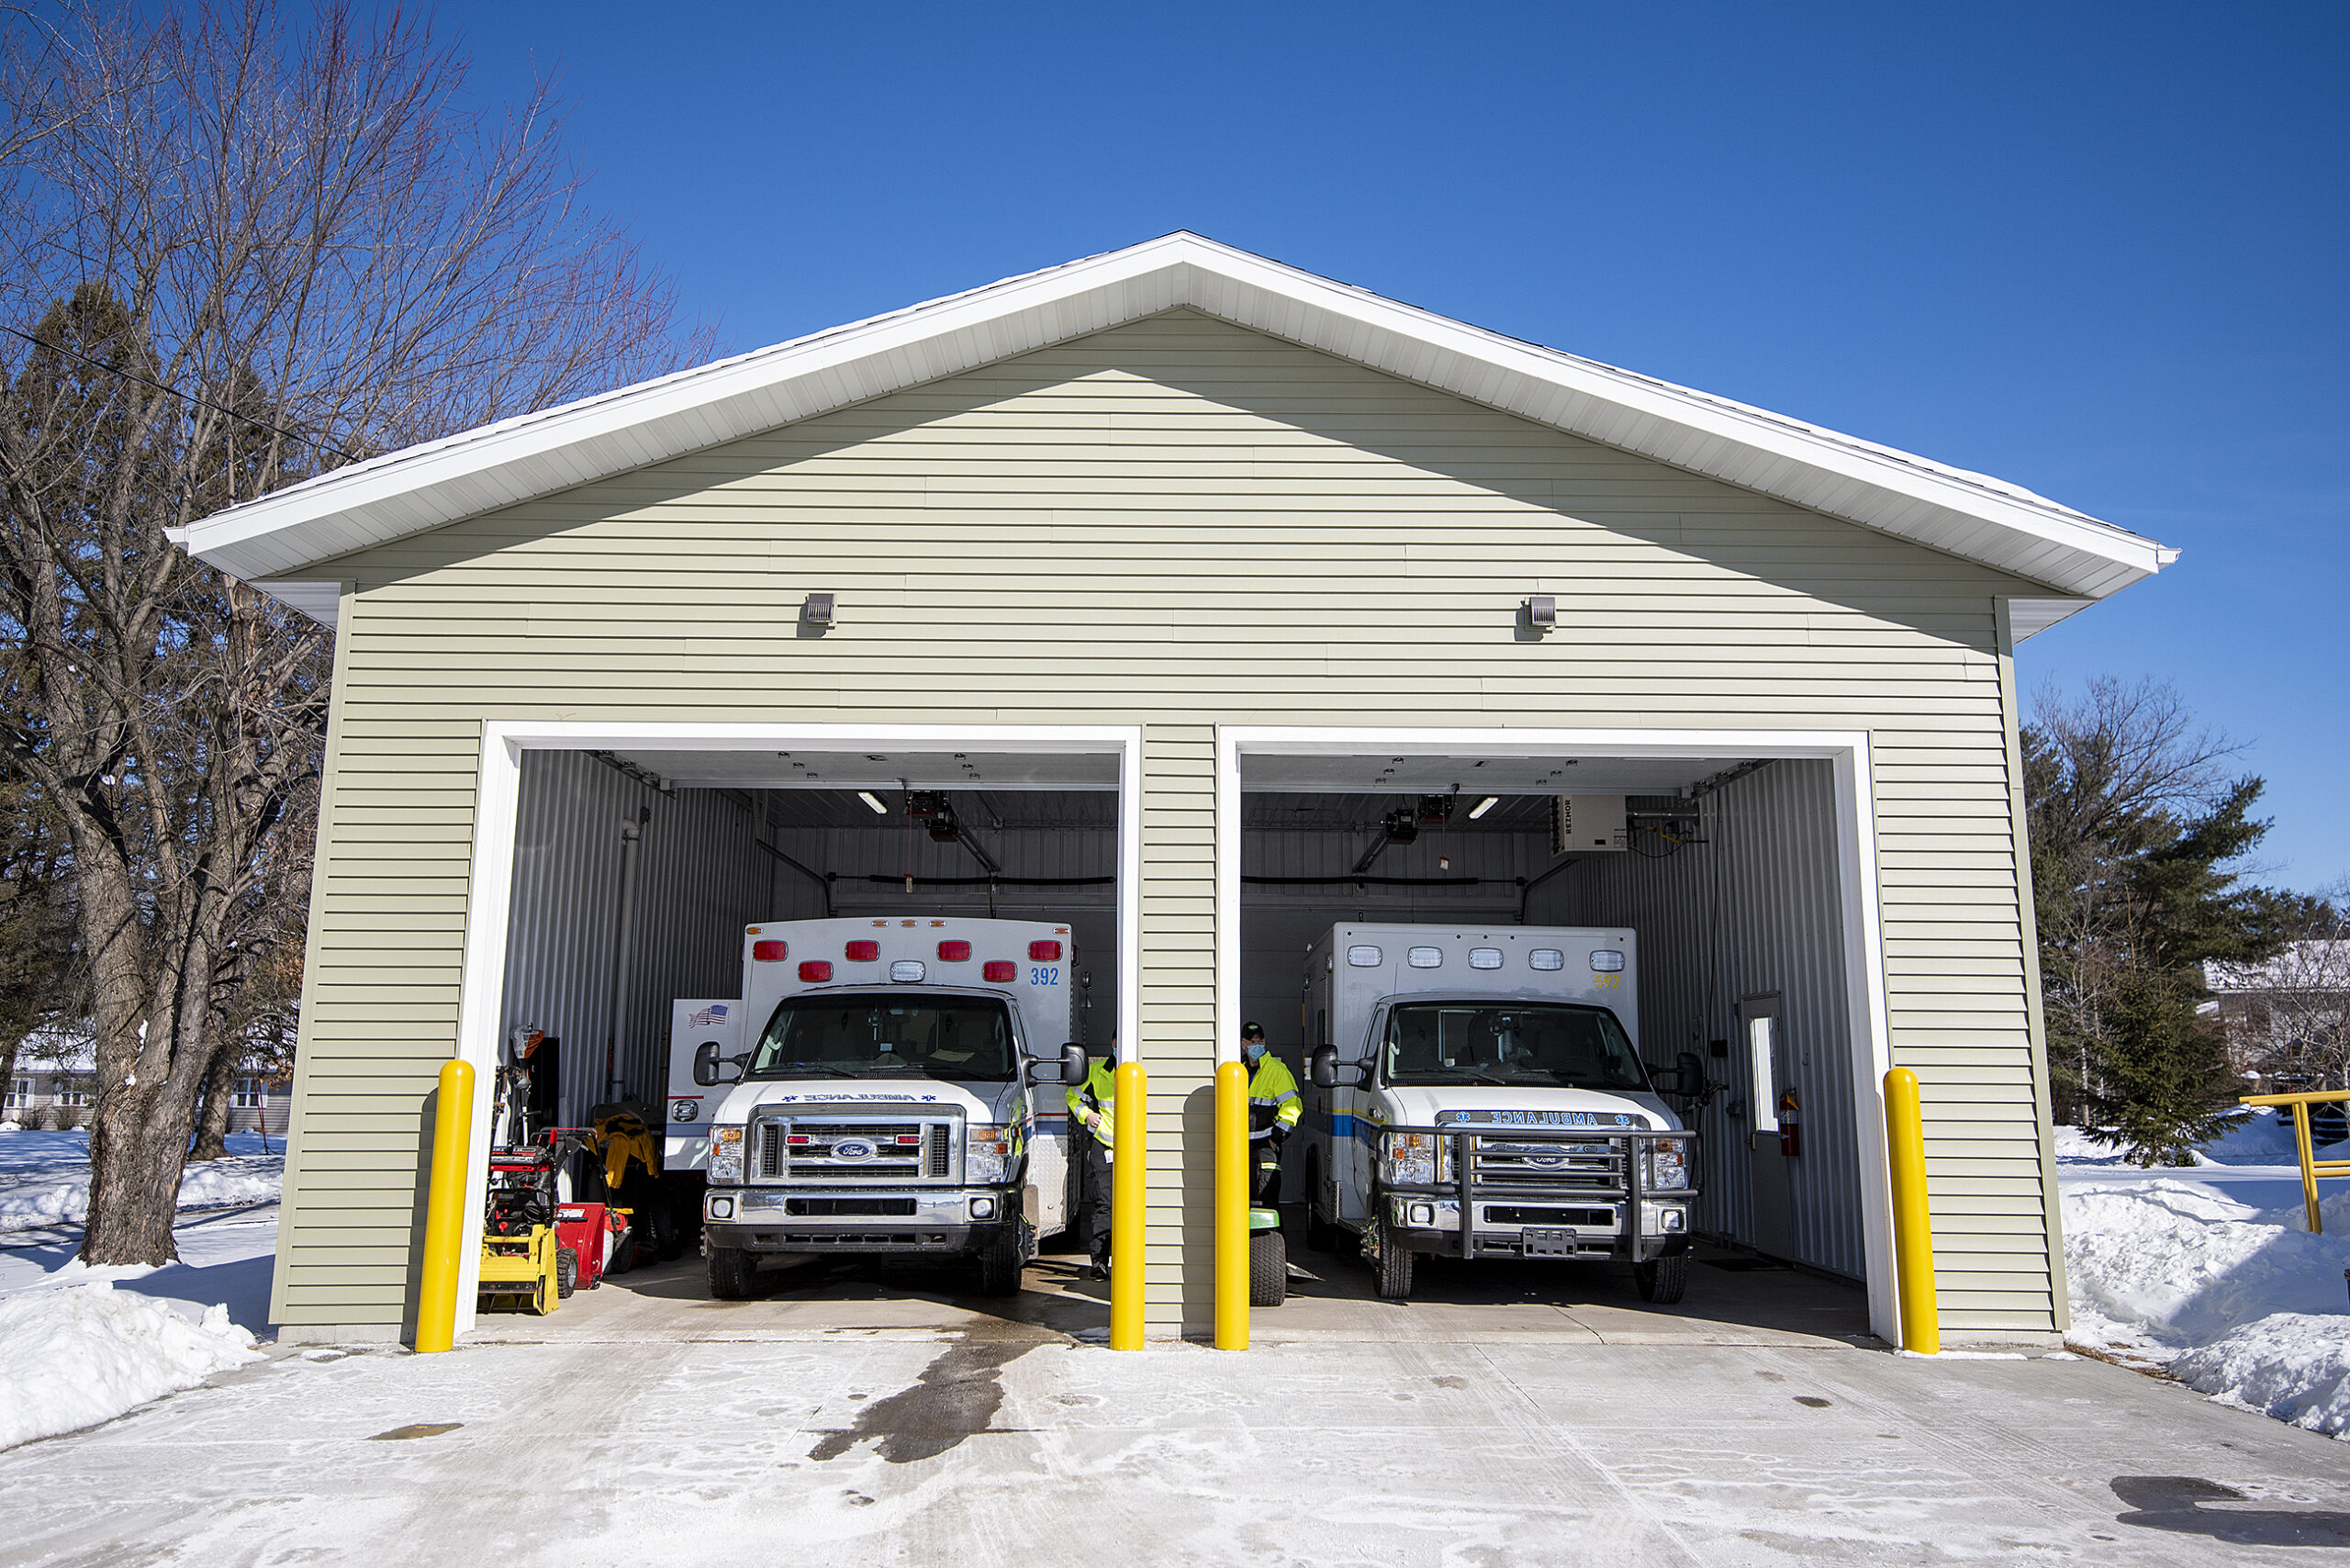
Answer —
1967 514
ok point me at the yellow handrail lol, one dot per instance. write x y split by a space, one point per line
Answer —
2312 1167
1913 1230
444 1212
1232 1207
1128 1188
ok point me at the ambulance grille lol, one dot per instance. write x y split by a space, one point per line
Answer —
1540 1164
847 1150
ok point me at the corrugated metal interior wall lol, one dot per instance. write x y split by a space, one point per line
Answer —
1278 923
1756 908
700 878
1070 834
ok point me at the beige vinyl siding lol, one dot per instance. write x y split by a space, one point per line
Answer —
1176 523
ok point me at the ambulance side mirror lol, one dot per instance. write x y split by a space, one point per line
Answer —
710 1070
1686 1077
1070 1069
1323 1067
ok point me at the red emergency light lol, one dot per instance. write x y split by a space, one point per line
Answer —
999 971
954 952
1045 952
864 952
816 972
770 952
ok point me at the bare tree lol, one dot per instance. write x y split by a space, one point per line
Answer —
2289 1014
242 253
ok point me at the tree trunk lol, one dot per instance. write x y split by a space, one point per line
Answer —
138 1156
212 1116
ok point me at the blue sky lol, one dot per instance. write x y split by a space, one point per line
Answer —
2097 250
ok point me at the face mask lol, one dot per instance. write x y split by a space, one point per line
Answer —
1253 1049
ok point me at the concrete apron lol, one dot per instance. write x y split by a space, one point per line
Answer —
1331 1301
1004 1442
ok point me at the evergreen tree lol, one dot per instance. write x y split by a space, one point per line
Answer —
2132 828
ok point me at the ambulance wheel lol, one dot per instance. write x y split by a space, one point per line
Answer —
1393 1266
732 1269
1001 1261
1268 1269
1662 1281
566 1273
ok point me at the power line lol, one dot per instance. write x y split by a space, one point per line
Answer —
175 392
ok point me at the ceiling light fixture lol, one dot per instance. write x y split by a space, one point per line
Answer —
870 798
1482 807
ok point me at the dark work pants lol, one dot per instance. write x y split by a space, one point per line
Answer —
1265 1192
1097 1194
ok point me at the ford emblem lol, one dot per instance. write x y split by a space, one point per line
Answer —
853 1149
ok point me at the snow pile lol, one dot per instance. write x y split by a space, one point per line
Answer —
72 1358
2175 1269
2290 1365
34 1196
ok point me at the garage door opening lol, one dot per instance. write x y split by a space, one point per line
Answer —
1746 956
852 892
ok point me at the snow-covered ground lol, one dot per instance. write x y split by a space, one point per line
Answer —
45 1178
2210 1272
81 1344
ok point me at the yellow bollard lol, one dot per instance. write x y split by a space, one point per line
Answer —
444 1212
1128 1175
1913 1231
1232 1207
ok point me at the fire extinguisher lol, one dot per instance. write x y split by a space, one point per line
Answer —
1790 1130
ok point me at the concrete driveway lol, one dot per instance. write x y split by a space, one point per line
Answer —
868 1419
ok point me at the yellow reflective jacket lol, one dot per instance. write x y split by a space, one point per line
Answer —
1273 1099
1093 1104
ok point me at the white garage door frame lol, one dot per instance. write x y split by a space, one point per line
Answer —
1847 750
497 808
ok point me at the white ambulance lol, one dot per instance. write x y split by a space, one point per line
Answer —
1481 1094
880 1087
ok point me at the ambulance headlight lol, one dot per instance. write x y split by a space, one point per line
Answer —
726 1154
1664 1165
988 1155
1411 1160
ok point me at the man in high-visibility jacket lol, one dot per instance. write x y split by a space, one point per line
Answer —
1092 1108
1274 1106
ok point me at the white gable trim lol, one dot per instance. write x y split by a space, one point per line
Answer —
535 454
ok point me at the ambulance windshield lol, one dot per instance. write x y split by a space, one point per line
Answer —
1515 1043
887 1034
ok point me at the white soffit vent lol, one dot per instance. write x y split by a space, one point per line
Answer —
407 492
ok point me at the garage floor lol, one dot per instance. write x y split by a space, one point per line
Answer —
1730 1303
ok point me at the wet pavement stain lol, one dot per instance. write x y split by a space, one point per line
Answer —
955 1397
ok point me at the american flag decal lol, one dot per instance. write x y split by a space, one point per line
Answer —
713 1013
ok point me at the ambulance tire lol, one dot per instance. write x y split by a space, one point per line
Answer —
1664 1281
1001 1263
731 1272
566 1273
1268 1269
1393 1266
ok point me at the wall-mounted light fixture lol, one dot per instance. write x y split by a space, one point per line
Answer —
1542 612
1482 807
870 798
818 610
